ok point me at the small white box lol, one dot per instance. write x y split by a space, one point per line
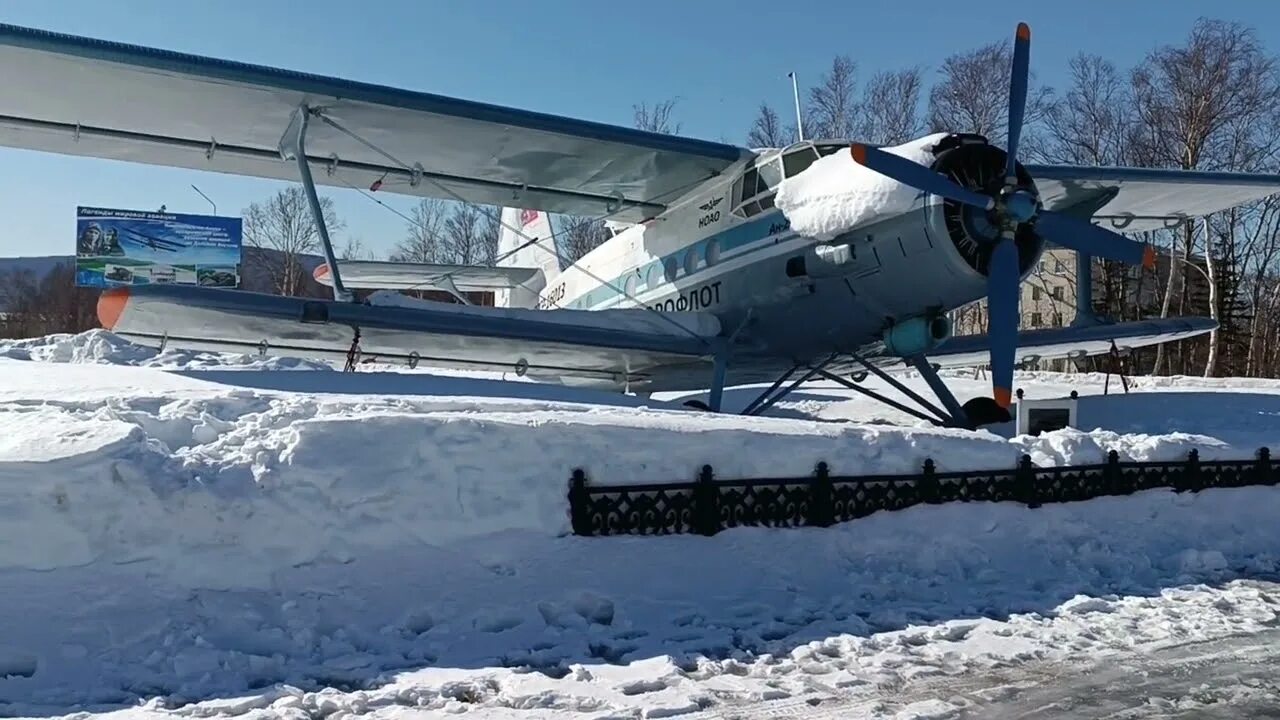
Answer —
1037 416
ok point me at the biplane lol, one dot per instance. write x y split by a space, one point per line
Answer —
703 283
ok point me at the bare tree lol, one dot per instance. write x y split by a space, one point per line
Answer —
424 235
890 107
767 131
1193 101
833 111
469 237
580 235
1092 122
353 249
658 118
973 95
284 224
36 305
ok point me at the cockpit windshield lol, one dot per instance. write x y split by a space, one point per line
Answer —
753 192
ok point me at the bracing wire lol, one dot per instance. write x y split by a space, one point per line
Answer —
497 217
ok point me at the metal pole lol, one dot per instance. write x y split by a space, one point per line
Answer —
206 197
340 292
1084 290
795 93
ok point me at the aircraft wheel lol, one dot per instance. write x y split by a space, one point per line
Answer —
697 405
984 411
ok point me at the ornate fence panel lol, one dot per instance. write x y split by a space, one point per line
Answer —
708 505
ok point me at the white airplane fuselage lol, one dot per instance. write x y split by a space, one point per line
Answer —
802 296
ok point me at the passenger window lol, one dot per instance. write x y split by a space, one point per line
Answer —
713 252
670 269
633 279
797 162
691 261
655 276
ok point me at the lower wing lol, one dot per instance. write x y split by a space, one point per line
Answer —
606 348
1071 342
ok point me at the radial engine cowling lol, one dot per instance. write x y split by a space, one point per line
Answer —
975 165
917 335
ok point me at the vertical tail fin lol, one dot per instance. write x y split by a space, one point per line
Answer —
534 246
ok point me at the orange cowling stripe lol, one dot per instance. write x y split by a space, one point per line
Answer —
111 305
1003 397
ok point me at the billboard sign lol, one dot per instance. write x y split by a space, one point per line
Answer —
137 247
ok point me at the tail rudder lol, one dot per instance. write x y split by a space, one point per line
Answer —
532 247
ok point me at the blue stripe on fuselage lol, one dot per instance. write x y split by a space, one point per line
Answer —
652 276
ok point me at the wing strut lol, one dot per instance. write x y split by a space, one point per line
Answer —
294 143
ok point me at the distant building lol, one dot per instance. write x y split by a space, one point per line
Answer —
1124 292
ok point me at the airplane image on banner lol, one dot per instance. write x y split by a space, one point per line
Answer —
704 283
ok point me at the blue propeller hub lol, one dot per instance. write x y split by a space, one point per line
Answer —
1020 206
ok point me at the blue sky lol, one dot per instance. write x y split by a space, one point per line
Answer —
584 59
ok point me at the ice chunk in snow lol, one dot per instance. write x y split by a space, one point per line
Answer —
836 194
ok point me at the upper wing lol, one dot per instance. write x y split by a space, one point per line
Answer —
82 96
423 276
1134 199
605 348
1057 343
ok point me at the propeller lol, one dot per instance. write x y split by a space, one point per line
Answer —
1012 206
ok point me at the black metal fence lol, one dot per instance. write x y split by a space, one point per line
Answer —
708 505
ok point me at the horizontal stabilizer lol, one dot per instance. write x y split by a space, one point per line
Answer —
609 349
362 274
1059 343
1136 199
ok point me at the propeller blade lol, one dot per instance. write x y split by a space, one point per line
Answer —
916 176
1072 232
1003 283
1018 95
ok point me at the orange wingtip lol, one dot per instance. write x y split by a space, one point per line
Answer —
859 153
111 305
321 271
1024 31
1149 258
1003 397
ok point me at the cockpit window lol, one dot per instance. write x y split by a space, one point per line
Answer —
756 187
770 175
797 161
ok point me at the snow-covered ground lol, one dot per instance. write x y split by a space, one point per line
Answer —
215 536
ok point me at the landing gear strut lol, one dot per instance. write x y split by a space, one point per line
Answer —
973 414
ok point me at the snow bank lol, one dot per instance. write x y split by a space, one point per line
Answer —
649 626
836 194
249 544
103 347
1069 446
297 480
